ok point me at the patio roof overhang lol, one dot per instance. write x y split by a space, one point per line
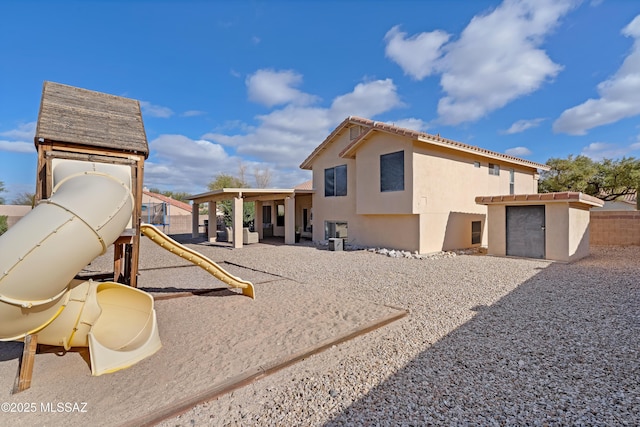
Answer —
248 194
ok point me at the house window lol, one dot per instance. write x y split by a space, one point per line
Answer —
476 232
494 169
280 216
392 171
476 164
335 229
512 181
335 181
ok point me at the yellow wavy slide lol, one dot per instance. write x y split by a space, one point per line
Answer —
166 242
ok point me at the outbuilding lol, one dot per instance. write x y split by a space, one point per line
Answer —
553 226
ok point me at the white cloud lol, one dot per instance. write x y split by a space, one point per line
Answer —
618 95
496 59
366 100
151 110
193 113
522 125
286 136
518 151
271 87
17 138
416 55
605 150
24 131
412 123
280 141
183 163
17 146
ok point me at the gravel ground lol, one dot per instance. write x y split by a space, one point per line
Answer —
488 341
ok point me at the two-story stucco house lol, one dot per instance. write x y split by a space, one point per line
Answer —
380 185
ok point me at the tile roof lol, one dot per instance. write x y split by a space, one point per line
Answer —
173 202
372 126
307 185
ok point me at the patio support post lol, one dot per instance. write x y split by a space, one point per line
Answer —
257 223
289 220
213 222
237 221
195 219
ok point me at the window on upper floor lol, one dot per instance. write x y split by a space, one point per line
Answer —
494 169
476 164
512 181
392 172
335 181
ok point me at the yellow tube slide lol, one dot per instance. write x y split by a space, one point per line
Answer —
198 259
42 253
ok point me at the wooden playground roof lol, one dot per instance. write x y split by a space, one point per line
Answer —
86 118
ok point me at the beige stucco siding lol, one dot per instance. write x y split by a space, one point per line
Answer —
386 231
497 230
445 186
334 208
556 218
450 181
435 210
369 198
579 220
566 230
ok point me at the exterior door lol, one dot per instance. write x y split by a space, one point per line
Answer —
525 231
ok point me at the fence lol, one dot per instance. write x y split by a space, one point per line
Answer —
619 228
176 224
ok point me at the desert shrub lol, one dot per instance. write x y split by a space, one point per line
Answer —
3 224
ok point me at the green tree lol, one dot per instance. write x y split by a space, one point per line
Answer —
570 174
223 180
2 190
616 178
24 199
3 224
607 179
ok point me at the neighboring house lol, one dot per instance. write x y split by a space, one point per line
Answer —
628 202
380 185
172 216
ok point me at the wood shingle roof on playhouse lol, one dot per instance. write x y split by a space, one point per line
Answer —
86 118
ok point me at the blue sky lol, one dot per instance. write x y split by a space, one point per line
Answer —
261 84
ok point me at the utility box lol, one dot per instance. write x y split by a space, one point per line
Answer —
335 244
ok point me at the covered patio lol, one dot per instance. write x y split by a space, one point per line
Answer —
278 212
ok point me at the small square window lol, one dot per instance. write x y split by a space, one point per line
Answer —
494 169
476 164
